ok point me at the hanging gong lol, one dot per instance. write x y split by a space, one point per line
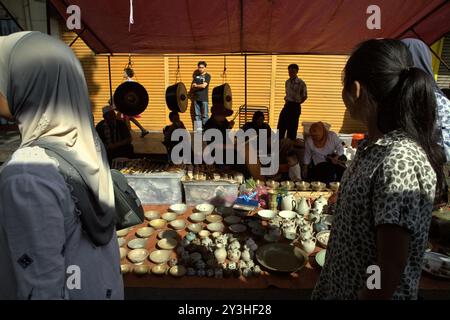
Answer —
221 96
176 97
131 98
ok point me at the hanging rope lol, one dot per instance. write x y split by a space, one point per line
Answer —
178 72
224 74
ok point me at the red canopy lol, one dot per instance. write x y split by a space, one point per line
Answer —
259 26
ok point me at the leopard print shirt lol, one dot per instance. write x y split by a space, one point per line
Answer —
389 182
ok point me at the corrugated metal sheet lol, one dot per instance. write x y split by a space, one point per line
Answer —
322 75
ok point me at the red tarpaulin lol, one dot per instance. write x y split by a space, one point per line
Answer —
252 26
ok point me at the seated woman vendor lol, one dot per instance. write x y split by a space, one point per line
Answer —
324 158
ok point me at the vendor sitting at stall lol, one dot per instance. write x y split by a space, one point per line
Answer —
257 123
174 118
115 135
324 158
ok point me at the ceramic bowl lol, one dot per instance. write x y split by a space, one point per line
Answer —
232 219
318 186
302 185
214 218
151 215
144 232
125 268
272 184
141 269
160 256
178 208
266 214
290 185
158 223
137 243
178 224
159 269
167 243
137 256
216 234
169 216
205 208
237 228
195 227
204 234
123 232
121 241
166 234
197 217
216 226
177 271
322 238
320 257
224 211
334 186
286 214
123 253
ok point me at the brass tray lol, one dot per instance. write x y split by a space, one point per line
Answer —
281 257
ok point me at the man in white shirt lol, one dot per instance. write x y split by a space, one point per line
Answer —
296 94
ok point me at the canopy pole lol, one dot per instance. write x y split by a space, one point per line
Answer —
110 82
245 85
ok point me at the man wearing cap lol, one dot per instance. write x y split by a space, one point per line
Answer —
115 135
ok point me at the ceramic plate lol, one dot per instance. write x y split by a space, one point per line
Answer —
320 257
437 264
167 243
281 257
322 237
237 228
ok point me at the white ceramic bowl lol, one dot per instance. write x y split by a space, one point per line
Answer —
151 215
167 243
137 256
323 237
158 223
214 218
216 226
178 224
205 208
123 253
204 234
137 243
144 232
141 269
123 232
169 216
178 208
160 256
197 217
177 271
318 186
286 214
121 241
266 214
159 269
195 227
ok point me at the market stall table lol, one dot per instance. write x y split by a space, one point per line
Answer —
303 280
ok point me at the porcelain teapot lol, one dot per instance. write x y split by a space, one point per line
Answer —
288 203
302 207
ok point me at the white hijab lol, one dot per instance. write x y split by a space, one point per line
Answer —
44 85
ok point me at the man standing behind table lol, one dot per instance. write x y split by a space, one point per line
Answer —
199 87
296 94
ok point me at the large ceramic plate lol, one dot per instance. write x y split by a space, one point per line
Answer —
281 257
437 264
320 257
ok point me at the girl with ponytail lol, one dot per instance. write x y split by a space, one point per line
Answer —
383 214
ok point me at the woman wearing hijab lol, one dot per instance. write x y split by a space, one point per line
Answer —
49 248
422 59
324 150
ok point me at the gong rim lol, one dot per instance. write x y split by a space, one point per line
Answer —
177 97
222 96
